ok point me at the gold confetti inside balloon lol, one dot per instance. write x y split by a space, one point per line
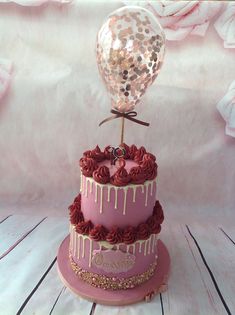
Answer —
130 51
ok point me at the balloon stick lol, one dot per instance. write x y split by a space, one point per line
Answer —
122 130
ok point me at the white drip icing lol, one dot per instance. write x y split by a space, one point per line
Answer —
115 204
90 252
144 189
145 247
134 193
81 183
146 195
156 239
149 244
133 251
91 186
75 244
71 238
101 199
79 240
151 188
106 245
109 189
131 247
78 249
86 186
153 243
83 247
96 191
74 236
124 204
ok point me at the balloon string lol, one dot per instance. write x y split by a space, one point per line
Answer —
128 115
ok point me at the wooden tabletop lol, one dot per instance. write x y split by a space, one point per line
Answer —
202 278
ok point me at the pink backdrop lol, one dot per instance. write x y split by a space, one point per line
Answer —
56 100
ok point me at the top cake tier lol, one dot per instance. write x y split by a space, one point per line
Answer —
119 194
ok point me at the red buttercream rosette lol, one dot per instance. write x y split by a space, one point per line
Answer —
143 231
108 152
150 156
158 212
153 224
77 199
76 217
98 233
132 151
121 177
137 175
139 154
84 227
82 161
115 235
88 154
76 204
73 207
149 168
129 235
102 175
88 166
97 154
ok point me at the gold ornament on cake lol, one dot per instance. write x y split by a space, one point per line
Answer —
130 51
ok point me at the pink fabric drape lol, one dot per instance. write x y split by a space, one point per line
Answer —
56 100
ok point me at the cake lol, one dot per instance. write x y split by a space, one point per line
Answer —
115 220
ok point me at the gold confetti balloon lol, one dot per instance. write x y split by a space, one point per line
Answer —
130 51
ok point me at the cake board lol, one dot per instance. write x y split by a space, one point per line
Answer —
143 292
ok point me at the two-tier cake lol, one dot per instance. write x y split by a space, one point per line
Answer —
115 219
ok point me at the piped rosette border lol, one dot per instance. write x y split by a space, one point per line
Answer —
115 235
146 168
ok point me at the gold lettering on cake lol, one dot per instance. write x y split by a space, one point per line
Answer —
98 259
113 260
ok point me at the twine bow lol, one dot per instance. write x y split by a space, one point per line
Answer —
128 115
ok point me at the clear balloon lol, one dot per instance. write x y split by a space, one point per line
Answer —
130 51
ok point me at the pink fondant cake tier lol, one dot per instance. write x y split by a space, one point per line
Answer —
115 220
84 252
111 205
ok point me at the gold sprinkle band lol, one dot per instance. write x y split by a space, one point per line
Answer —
112 283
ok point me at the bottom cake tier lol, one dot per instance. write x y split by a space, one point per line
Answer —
112 267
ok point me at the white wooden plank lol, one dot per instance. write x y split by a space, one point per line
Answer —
71 304
190 289
44 298
142 308
22 268
228 231
219 253
4 217
14 228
